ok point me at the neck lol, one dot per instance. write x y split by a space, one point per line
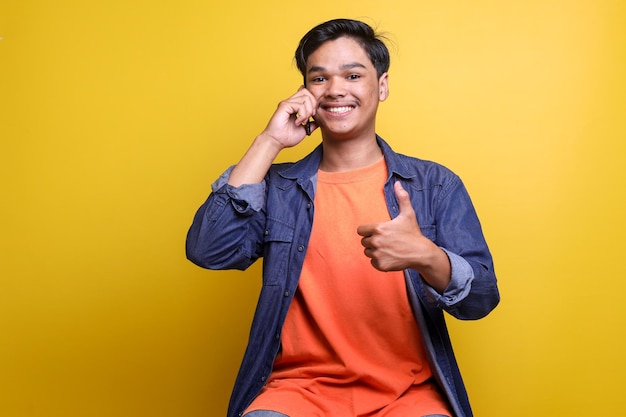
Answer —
349 154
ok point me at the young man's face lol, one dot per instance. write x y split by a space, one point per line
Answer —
344 81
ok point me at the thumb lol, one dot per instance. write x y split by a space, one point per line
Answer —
404 201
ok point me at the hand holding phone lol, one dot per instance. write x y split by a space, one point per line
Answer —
292 121
288 126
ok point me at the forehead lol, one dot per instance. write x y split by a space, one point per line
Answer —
338 53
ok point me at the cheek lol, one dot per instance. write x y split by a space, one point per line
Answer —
374 92
373 97
318 93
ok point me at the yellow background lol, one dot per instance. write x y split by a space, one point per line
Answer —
115 117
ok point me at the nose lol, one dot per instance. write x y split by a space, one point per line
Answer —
336 87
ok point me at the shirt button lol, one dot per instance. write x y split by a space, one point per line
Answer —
300 248
267 232
286 293
308 205
263 378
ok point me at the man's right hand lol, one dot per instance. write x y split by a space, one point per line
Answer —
284 130
286 126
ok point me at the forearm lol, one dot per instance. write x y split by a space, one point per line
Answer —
434 266
253 166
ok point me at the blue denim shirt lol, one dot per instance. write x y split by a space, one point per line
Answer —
273 219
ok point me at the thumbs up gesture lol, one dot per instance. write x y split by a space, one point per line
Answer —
399 244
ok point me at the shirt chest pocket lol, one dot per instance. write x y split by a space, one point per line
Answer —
277 244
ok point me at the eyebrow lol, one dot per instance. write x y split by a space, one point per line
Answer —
343 67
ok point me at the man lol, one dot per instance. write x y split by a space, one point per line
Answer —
363 250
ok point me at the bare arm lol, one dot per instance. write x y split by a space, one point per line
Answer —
285 129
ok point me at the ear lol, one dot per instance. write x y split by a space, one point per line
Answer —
383 87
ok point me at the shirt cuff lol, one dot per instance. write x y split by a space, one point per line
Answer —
251 196
461 279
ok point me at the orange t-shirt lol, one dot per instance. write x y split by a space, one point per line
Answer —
350 344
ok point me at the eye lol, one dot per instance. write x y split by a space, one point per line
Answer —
354 76
318 80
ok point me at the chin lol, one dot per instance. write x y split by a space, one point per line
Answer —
338 131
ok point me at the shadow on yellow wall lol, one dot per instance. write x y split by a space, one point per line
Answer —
115 118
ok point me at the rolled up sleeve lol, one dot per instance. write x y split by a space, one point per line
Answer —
246 198
460 284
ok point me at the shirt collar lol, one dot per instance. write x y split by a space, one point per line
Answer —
305 169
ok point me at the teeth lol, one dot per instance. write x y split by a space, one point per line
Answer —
339 109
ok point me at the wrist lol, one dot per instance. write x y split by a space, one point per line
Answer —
267 143
434 266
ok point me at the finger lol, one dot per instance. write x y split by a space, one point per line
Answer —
404 200
300 106
305 104
375 264
305 109
365 230
297 108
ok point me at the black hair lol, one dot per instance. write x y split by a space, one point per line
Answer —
361 32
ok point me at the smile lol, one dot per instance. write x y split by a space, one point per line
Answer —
339 110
